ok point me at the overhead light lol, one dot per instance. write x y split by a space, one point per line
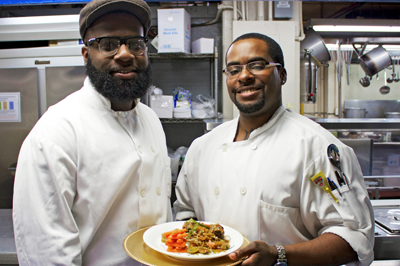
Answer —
353 28
349 47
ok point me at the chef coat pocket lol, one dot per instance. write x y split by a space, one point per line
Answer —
278 224
349 209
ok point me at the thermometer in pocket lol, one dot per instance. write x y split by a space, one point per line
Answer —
321 181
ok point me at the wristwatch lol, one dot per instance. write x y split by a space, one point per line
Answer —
281 261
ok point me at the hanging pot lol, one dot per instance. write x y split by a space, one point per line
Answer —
355 112
373 61
315 45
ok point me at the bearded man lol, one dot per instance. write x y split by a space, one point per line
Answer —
95 166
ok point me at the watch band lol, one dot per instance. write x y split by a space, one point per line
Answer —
281 261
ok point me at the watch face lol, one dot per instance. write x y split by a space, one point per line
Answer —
280 264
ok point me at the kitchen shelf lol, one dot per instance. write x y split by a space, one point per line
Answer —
180 56
182 120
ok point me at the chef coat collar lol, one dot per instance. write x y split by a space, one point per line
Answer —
271 122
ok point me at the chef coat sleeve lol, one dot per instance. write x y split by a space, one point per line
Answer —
45 184
352 217
183 206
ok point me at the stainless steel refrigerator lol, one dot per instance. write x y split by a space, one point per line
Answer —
40 82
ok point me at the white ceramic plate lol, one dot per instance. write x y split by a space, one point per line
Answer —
152 237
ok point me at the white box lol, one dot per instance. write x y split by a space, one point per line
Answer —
203 46
162 105
173 31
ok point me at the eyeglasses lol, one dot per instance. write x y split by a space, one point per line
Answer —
254 68
109 46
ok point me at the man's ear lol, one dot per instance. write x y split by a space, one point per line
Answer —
283 75
85 53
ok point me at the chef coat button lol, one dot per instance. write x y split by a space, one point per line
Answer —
143 193
243 190
152 148
253 146
216 191
224 147
120 114
140 150
158 191
136 112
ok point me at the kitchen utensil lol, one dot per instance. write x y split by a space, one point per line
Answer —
314 43
355 112
365 81
392 114
397 79
334 158
347 55
393 76
385 89
373 61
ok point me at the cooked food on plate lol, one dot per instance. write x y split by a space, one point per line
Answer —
196 238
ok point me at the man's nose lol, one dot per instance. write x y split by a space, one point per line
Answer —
124 53
245 74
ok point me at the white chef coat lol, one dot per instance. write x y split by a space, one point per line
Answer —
262 186
86 177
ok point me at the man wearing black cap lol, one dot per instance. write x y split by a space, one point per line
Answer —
95 166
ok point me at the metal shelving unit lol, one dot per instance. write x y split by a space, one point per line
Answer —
174 57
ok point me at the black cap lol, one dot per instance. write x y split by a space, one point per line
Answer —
97 8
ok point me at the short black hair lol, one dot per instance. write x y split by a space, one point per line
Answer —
274 48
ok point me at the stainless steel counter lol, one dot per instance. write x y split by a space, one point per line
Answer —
8 253
361 124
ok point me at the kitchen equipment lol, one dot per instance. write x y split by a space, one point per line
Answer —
393 76
392 114
313 54
347 59
365 81
385 89
397 79
355 112
315 45
373 61
308 73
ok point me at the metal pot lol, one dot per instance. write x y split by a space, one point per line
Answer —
392 114
355 112
373 61
315 45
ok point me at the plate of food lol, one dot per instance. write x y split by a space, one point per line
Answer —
192 240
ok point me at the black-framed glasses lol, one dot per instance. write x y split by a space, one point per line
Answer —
109 46
255 68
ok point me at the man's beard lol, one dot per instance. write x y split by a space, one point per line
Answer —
250 108
119 90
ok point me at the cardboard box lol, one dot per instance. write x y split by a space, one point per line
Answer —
173 31
203 46
163 105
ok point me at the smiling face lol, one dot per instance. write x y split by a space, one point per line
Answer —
122 77
254 95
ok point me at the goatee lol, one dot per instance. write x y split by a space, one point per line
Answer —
119 90
250 108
